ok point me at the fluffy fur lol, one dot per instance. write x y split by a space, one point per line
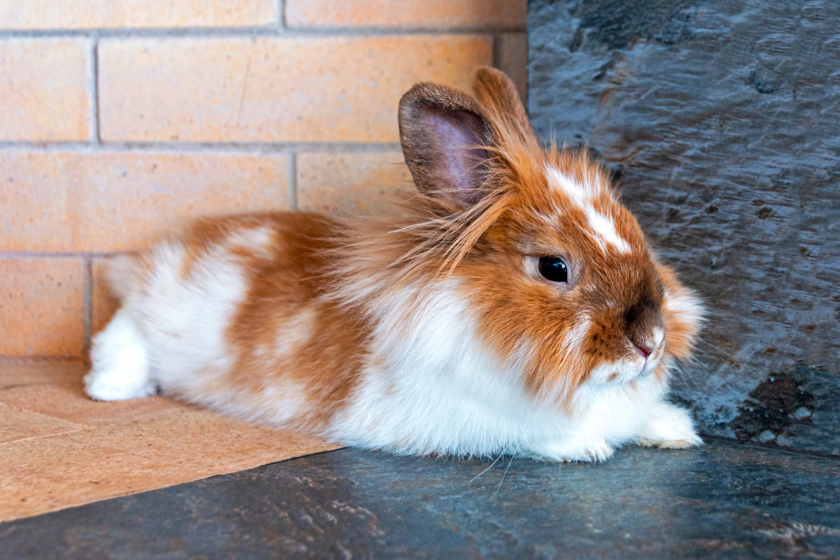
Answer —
432 334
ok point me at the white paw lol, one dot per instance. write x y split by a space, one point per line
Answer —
118 384
669 426
564 452
120 363
693 441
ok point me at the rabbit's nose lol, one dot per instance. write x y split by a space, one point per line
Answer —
642 323
643 349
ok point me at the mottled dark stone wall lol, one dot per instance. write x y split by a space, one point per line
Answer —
722 120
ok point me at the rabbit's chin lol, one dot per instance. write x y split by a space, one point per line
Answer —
625 370
620 372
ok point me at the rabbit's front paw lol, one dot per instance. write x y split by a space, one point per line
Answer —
670 427
566 452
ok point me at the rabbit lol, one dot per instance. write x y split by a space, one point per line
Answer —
513 308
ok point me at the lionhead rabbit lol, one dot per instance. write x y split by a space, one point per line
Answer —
517 309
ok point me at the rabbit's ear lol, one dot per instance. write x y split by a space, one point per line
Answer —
500 99
447 143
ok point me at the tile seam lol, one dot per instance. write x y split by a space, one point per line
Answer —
293 186
215 148
272 31
93 84
87 301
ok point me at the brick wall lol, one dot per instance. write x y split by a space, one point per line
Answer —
120 118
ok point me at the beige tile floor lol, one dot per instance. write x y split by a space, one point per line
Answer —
59 449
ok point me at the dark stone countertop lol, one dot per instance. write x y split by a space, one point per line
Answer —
725 500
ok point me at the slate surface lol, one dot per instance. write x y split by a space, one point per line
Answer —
726 500
722 119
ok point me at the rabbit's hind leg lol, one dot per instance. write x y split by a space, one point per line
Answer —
120 362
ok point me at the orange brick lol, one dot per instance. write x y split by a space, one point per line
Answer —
67 201
106 14
513 60
311 89
41 307
342 183
406 13
44 90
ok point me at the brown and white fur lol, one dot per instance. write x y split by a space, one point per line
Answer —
434 333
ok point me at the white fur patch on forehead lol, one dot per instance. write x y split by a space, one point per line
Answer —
605 230
581 195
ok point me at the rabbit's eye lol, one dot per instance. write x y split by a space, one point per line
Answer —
554 269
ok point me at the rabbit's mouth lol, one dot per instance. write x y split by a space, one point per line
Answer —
633 366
